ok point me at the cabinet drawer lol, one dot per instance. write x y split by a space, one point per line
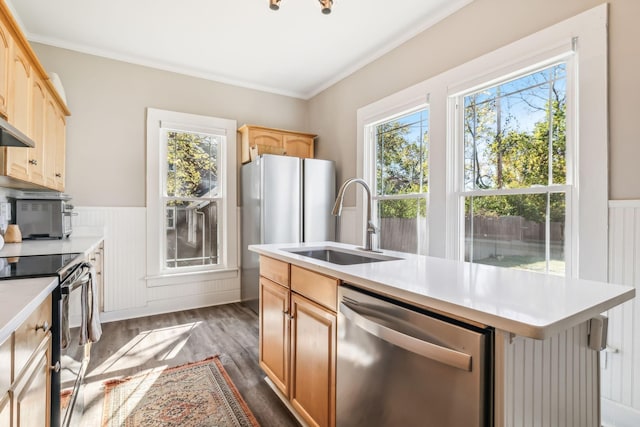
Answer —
31 333
5 366
277 271
315 286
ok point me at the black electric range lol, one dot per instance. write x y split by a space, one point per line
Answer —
23 267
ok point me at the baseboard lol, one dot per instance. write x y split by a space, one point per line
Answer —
175 304
616 415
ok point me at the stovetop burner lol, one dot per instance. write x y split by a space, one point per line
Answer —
34 265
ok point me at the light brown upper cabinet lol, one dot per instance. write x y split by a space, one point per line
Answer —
55 142
5 60
36 155
257 140
29 101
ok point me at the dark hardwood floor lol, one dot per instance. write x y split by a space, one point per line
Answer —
230 331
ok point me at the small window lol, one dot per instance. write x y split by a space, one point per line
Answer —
401 153
191 217
191 195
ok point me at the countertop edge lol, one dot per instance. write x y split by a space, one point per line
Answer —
25 311
519 328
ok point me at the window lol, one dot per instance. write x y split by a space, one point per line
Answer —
514 173
191 189
191 193
400 149
517 154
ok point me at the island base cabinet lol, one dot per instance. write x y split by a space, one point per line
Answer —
298 339
274 333
313 356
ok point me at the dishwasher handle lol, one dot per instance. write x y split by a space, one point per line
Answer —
426 349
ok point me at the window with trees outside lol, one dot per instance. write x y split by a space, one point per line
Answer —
401 153
511 167
191 198
515 182
191 218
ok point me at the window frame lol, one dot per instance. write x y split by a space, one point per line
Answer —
369 169
456 112
158 121
586 34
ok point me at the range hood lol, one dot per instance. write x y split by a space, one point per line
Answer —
12 137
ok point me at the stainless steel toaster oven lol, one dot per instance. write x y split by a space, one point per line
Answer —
44 218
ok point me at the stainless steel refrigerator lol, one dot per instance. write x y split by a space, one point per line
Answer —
284 200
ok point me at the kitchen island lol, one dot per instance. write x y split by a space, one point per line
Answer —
545 369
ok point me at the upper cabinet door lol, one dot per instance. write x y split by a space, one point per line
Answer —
36 154
50 143
61 142
299 146
17 159
20 84
5 62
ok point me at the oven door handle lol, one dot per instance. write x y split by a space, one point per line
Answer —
66 289
420 347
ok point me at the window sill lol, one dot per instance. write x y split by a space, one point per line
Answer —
190 277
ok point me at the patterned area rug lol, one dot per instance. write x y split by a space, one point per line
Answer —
196 394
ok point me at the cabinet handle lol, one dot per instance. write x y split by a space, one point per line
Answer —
285 312
33 162
45 327
56 367
58 175
290 316
93 259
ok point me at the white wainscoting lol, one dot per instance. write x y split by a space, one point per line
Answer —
547 383
126 294
621 364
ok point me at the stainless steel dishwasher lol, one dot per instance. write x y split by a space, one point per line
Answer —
402 366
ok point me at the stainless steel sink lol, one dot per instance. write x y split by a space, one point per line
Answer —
341 256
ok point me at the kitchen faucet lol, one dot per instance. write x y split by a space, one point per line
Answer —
370 227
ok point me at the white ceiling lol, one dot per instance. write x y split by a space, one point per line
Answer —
296 51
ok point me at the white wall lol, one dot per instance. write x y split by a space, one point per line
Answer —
479 28
106 164
106 130
621 363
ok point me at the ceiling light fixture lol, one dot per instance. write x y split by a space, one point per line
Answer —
325 5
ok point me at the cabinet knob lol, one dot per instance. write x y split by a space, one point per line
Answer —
58 175
33 162
56 367
45 327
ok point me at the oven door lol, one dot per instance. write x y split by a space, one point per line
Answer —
74 356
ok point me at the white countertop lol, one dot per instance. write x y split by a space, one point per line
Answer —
525 303
18 298
83 244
